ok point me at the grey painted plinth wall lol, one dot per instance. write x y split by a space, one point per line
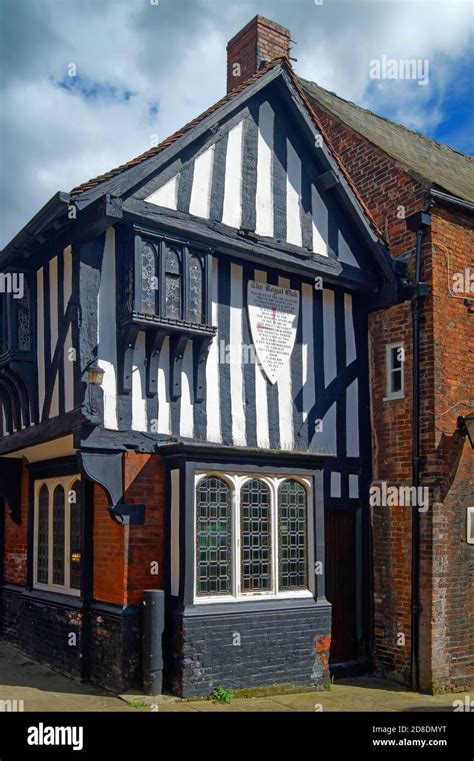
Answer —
247 648
107 647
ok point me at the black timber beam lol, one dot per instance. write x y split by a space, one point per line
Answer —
230 241
42 433
97 217
42 221
10 485
326 180
64 225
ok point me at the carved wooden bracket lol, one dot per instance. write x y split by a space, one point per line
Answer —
178 345
154 344
106 469
127 338
200 352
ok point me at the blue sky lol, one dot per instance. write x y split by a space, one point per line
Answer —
142 68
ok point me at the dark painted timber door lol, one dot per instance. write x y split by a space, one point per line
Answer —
340 530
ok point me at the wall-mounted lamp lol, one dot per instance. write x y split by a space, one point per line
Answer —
466 427
95 374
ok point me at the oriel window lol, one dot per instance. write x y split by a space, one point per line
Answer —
167 281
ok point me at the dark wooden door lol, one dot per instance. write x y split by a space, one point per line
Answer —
340 530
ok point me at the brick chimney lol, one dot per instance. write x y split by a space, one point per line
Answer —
260 41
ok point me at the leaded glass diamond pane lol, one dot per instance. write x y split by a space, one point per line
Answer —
149 279
24 320
75 535
173 301
292 525
195 289
255 518
58 535
43 520
213 537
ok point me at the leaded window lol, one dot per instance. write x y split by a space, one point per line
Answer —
149 278
164 280
58 534
213 537
256 573
173 296
3 323
24 320
43 535
195 289
75 542
252 537
292 528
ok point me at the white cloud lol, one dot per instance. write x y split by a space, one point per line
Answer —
172 56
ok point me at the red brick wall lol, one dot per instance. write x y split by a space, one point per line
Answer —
447 348
451 459
391 526
15 547
124 556
144 484
110 553
261 39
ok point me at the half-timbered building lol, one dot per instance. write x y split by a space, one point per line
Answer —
184 405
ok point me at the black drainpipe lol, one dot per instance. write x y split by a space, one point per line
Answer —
417 223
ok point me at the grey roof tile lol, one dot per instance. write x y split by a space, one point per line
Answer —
440 165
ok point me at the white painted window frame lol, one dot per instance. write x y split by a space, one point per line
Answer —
390 370
469 525
236 481
66 482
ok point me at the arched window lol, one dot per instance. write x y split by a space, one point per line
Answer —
75 535
173 296
292 529
255 517
213 502
149 279
195 289
43 532
58 535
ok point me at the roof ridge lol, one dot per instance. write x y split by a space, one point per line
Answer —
385 119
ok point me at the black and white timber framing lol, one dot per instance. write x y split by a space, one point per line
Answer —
253 194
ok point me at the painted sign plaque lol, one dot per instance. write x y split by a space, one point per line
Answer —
273 316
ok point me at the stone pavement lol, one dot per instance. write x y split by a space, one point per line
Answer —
42 689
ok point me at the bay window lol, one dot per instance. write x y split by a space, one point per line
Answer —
252 537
